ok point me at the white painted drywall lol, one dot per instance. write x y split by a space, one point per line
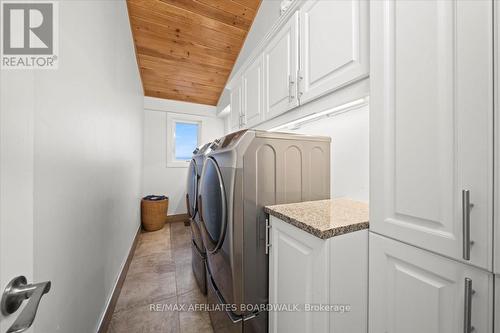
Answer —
349 151
224 100
157 177
88 123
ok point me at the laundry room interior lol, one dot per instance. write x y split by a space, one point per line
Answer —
249 166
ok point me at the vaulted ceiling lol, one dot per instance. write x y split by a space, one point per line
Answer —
186 49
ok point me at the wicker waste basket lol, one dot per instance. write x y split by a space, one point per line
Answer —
154 212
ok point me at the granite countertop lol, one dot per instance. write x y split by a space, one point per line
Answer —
324 218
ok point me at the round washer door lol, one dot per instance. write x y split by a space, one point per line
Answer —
212 205
192 189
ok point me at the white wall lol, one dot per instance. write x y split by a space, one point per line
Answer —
349 151
86 133
157 177
224 100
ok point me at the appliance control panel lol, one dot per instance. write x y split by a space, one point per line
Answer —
228 140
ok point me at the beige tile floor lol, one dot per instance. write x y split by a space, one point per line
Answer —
160 273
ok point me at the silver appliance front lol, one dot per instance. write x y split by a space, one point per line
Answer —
212 204
192 189
198 260
249 170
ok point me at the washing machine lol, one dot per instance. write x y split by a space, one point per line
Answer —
245 171
198 261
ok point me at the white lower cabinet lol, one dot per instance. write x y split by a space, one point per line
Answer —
415 291
308 271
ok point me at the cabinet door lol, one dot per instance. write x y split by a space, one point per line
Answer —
280 66
334 45
349 282
431 124
414 291
298 274
236 102
497 147
253 90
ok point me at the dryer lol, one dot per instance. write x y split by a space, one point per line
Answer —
198 261
245 171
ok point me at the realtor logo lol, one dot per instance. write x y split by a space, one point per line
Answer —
29 35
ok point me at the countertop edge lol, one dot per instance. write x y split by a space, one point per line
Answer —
337 231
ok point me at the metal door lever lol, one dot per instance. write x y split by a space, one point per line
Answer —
14 295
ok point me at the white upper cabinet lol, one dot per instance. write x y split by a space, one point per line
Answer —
236 103
253 91
333 53
280 70
431 125
334 46
415 291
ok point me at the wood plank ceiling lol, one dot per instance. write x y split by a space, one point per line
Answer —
186 49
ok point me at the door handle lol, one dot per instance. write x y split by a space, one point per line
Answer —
468 292
14 295
466 208
268 230
300 78
291 83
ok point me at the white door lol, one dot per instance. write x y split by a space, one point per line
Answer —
280 66
16 183
334 46
253 92
415 291
431 125
496 228
298 274
236 104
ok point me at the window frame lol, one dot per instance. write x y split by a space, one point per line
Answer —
172 161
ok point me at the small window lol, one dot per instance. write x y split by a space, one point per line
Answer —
186 140
183 136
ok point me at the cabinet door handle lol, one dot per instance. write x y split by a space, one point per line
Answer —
466 207
300 78
468 306
268 227
291 83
